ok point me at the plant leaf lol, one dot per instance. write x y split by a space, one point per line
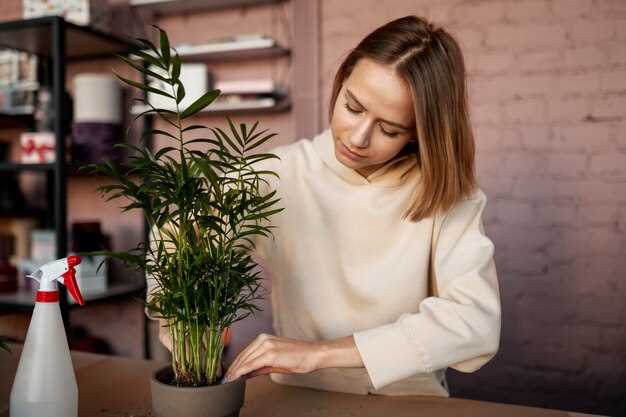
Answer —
193 127
143 86
234 130
200 103
180 93
165 46
225 137
148 58
144 70
149 45
176 69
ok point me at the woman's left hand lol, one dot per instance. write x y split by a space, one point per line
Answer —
272 354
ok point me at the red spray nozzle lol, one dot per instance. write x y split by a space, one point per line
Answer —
73 260
69 279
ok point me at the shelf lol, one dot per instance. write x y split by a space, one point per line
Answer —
24 298
23 214
231 51
162 7
8 120
237 48
17 167
70 170
264 105
34 36
74 171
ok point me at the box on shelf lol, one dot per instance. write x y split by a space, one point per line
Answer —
87 236
256 86
90 280
18 98
17 68
21 229
37 147
194 76
97 124
94 13
43 249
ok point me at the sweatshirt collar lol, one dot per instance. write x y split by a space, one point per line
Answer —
393 173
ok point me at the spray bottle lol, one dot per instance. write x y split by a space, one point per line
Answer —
45 384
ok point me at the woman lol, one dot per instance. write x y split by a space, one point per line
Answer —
382 274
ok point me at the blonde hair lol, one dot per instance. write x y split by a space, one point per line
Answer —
430 60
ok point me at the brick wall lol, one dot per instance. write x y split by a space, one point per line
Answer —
547 84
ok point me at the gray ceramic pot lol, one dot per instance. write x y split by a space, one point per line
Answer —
223 400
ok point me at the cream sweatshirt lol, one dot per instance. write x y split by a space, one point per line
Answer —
343 262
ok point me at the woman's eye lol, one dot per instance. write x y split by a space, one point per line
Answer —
351 110
390 134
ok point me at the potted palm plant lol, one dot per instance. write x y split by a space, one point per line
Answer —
204 209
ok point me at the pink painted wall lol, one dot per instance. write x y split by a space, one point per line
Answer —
548 100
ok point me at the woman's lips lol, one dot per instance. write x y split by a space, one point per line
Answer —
349 153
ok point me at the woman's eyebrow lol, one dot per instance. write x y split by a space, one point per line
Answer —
353 97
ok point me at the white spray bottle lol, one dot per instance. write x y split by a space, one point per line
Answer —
45 383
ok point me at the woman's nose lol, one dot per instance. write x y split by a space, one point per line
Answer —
360 136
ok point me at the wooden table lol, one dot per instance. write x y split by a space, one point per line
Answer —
111 386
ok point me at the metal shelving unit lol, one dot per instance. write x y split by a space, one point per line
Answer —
59 42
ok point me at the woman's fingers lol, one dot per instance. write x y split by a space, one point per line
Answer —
261 358
254 349
276 354
245 354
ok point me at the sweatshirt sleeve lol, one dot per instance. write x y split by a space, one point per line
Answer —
458 328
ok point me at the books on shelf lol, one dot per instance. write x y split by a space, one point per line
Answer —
260 86
94 13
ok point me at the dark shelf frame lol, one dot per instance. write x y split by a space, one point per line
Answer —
37 36
60 42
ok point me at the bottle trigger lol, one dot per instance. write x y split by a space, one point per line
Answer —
69 279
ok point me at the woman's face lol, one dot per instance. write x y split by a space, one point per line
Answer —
373 117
